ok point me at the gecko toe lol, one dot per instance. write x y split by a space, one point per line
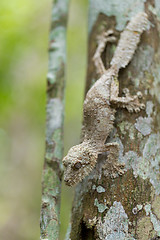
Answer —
142 106
126 92
137 109
139 94
109 32
130 109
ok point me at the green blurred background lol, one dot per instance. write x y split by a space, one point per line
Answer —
24 28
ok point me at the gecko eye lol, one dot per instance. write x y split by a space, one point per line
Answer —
77 165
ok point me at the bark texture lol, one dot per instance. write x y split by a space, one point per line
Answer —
52 171
127 207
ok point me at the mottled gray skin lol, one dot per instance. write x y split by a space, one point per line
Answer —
100 106
98 122
98 113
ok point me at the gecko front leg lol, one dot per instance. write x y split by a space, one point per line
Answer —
131 103
111 166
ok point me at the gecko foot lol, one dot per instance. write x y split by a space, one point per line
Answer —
135 106
112 167
132 102
106 36
117 168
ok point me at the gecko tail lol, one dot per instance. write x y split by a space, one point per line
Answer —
129 40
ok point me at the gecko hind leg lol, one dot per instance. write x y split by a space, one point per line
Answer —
111 167
131 103
102 41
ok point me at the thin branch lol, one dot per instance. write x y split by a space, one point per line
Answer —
52 171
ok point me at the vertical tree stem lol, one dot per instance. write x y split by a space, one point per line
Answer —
52 171
126 207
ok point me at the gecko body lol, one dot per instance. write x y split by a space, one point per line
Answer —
100 106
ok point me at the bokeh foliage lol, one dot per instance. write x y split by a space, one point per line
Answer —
24 28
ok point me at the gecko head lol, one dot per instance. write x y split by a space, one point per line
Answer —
78 163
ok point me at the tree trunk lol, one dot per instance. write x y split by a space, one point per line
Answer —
127 207
52 171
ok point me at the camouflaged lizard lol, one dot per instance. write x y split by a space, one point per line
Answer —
100 106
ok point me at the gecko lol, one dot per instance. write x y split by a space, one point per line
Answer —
100 106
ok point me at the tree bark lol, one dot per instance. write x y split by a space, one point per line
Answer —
52 171
127 207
